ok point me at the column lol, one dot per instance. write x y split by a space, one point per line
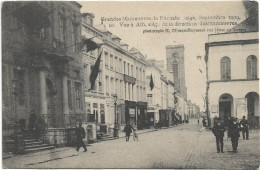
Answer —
130 91
65 94
43 101
127 93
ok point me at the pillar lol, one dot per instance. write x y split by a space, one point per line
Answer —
43 101
65 94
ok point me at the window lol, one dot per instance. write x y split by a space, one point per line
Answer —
107 86
69 94
5 86
61 29
42 33
225 68
13 22
19 80
95 111
111 62
251 66
90 116
74 38
106 60
78 95
102 113
76 74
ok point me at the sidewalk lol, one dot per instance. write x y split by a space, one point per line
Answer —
122 134
7 156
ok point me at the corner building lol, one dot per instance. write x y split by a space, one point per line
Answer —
42 66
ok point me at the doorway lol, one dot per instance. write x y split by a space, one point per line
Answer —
225 108
253 109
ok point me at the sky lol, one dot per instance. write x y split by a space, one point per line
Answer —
153 44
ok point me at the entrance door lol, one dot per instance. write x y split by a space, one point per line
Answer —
225 111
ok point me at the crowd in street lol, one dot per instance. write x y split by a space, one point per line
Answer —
234 127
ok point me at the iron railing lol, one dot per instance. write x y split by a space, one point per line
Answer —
63 120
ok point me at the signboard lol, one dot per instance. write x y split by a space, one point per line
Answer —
241 108
132 111
214 111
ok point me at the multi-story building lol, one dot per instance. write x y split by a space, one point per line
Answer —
121 74
42 66
139 89
160 99
175 65
232 73
95 100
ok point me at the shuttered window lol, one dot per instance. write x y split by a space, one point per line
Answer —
225 65
251 64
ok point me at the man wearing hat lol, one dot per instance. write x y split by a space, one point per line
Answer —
234 134
245 126
218 130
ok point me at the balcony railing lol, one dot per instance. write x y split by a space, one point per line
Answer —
50 45
63 120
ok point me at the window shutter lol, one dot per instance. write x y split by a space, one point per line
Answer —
249 69
254 68
222 70
228 69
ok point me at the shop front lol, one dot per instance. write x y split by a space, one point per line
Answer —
163 118
130 112
142 121
150 116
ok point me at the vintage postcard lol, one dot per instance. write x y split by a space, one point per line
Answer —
121 84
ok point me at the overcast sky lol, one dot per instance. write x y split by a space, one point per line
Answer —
153 45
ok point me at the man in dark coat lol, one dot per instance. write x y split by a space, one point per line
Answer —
234 134
245 126
128 130
80 132
218 130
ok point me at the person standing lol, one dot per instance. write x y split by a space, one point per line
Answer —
81 134
234 134
245 127
218 131
128 130
198 121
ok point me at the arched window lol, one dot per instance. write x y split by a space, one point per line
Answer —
225 67
251 67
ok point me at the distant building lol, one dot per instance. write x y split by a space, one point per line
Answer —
175 65
232 61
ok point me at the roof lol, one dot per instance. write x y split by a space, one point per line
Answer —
248 25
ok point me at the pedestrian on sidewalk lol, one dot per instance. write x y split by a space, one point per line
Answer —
81 134
198 121
218 131
245 127
234 134
128 130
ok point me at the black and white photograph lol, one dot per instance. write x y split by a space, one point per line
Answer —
130 84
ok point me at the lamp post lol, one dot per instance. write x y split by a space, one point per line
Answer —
116 122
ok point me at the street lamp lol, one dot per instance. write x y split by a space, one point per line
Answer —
116 122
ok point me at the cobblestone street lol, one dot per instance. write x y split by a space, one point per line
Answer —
183 146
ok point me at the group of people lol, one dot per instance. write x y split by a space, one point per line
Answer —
81 134
233 132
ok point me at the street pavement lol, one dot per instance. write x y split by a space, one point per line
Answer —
185 146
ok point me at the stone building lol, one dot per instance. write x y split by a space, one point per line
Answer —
232 60
175 65
95 99
161 106
42 66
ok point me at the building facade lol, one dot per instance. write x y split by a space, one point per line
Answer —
232 71
42 66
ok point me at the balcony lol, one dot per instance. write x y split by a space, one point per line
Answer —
63 120
50 46
129 79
